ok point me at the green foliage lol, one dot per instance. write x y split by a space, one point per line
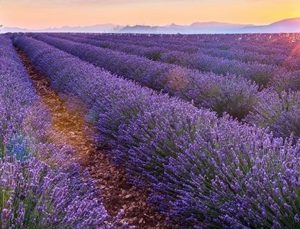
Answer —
2 149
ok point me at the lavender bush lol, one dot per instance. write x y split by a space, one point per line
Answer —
278 111
38 190
39 196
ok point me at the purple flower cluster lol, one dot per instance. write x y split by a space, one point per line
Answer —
202 171
38 186
36 195
280 112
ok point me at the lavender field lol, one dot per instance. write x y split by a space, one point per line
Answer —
149 131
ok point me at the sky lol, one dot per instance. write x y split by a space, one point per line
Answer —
37 14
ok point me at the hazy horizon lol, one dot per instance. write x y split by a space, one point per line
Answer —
46 13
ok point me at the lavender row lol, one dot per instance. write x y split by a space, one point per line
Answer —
38 187
230 50
232 53
261 74
278 49
229 94
261 43
259 47
235 96
288 58
163 45
202 171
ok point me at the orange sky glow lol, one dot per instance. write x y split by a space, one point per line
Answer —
56 13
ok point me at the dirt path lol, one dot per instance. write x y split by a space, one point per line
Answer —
70 128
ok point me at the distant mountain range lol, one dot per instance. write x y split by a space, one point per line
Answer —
283 26
198 27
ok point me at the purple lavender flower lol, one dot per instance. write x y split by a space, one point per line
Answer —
28 185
